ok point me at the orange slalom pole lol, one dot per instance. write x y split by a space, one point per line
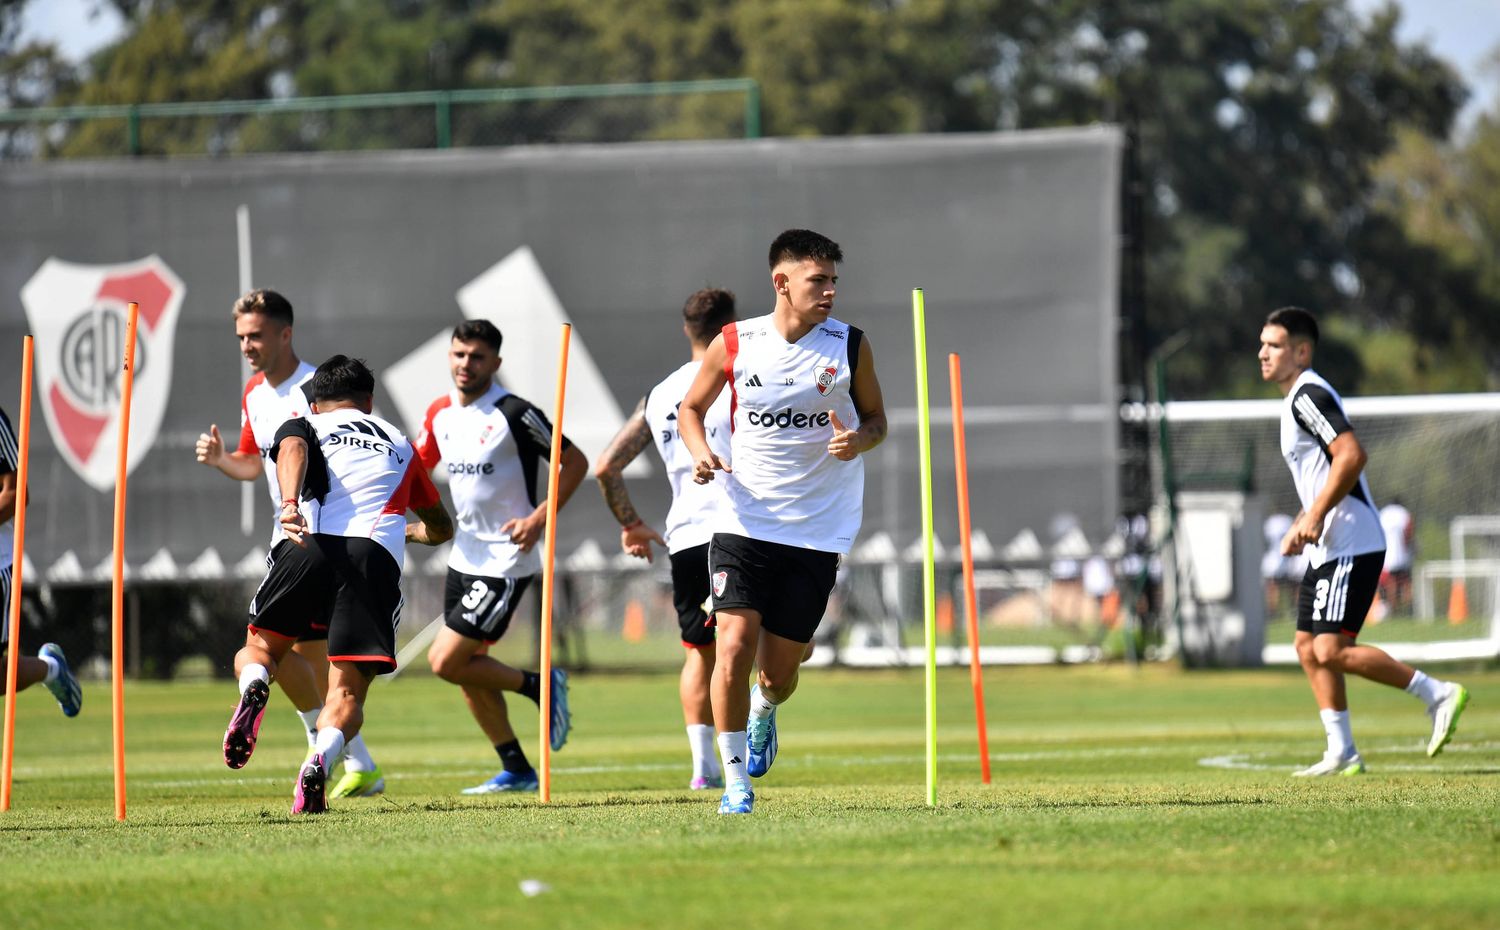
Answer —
117 653
13 656
549 568
971 610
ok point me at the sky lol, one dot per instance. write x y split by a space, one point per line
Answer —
1465 32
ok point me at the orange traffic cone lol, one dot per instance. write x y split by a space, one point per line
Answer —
945 615
1458 603
634 628
1109 609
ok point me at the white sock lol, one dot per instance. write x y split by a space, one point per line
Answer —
734 750
1430 690
760 705
309 720
254 672
53 669
1340 736
701 740
330 743
356 756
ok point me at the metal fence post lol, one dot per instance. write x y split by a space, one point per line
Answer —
752 110
444 117
133 131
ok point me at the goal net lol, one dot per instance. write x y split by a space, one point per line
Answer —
1434 455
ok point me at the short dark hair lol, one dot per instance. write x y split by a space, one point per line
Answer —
266 302
707 312
1298 323
800 244
479 331
343 378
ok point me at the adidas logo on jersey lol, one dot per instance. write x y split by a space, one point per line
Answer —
753 381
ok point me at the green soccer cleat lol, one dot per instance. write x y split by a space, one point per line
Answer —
1445 714
359 784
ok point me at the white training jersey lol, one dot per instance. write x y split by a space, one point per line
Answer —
1311 419
785 487
362 476
1395 520
10 461
263 409
493 449
695 507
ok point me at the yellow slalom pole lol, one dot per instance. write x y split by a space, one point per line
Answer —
929 569
117 653
13 657
549 568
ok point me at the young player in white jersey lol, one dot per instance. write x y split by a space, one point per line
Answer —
493 444
48 665
1339 531
278 391
348 477
795 486
689 525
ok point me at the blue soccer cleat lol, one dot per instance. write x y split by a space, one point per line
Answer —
505 782
561 721
762 741
739 799
64 687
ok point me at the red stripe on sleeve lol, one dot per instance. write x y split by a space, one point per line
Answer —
248 445
731 352
426 444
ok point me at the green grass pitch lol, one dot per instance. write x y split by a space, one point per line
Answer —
1121 798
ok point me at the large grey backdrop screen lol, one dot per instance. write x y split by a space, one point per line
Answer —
1012 236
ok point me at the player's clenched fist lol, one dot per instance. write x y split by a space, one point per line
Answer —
704 468
210 446
844 445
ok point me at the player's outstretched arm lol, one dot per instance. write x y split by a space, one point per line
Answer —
635 535
701 395
869 404
435 526
239 465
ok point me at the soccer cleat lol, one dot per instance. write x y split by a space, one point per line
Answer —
1445 715
64 687
506 781
308 797
561 721
359 784
702 782
762 741
244 726
739 799
1333 765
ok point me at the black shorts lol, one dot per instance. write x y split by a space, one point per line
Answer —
1336 596
787 585
480 607
5 575
351 587
689 591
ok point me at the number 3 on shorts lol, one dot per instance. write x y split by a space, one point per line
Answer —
478 590
1320 598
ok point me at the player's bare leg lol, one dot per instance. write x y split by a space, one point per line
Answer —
342 716
255 664
1445 700
739 634
465 661
29 671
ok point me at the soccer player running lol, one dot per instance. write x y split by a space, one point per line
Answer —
795 483
1339 531
278 391
493 443
689 521
48 665
348 478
